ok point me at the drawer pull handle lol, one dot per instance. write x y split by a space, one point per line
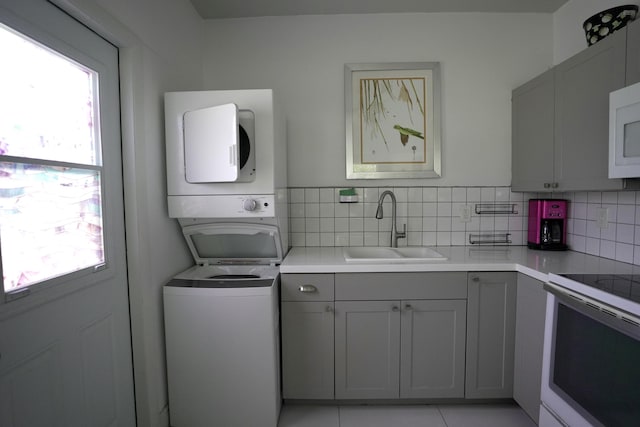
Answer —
308 289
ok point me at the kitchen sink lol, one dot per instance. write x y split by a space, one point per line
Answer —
384 253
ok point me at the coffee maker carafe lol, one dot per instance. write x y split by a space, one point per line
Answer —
547 224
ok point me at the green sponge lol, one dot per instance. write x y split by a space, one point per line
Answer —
348 195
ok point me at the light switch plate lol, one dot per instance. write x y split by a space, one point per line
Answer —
464 213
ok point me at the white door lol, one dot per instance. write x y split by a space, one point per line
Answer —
65 343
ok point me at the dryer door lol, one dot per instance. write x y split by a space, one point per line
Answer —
211 151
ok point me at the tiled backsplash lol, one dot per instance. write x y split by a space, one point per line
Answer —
620 239
433 216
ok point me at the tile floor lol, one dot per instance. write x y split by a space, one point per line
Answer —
478 415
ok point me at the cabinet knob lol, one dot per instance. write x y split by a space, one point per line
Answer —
408 307
547 185
475 279
395 308
329 309
308 289
555 185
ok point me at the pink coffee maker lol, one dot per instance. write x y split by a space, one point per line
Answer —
547 224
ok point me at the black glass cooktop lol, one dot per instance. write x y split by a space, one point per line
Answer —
623 285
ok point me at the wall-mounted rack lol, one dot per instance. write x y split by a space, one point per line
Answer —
490 238
496 209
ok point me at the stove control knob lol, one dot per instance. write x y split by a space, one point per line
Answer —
249 205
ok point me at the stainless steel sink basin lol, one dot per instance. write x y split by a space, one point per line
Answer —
383 253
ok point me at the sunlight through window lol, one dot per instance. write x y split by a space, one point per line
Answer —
50 166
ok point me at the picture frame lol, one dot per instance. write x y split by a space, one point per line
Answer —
392 120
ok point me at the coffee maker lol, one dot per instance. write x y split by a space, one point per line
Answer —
547 224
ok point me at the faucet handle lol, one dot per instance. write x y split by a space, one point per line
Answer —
404 232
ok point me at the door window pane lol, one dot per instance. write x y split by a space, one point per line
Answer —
47 103
50 172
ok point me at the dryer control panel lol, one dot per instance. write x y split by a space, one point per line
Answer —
222 206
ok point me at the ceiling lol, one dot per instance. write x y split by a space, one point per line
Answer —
223 9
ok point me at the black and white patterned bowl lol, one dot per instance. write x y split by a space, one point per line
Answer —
608 21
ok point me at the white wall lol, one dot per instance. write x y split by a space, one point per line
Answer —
483 57
569 37
160 45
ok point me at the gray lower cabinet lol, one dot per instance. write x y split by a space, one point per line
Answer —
491 315
367 349
307 350
406 349
432 352
400 335
530 322
307 331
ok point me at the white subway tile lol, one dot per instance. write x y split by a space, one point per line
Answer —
312 195
327 195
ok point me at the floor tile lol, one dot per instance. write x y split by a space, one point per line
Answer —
395 416
485 416
309 416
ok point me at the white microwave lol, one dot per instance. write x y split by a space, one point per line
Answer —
624 132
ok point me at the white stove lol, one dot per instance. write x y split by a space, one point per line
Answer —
591 351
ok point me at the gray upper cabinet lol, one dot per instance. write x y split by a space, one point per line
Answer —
583 84
532 133
633 53
490 334
560 120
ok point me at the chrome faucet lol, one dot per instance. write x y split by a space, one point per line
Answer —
395 235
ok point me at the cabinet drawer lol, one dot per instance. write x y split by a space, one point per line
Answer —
307 287
398 286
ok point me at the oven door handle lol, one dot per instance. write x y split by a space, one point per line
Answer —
597 310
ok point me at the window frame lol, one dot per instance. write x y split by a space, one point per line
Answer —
74 281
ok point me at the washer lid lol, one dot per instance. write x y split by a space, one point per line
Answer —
234 243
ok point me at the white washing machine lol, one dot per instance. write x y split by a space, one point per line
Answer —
222 328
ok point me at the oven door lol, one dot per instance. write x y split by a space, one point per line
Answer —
591 367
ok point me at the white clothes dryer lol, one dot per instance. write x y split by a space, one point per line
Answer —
222 328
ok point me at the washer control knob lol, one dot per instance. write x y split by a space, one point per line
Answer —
249 205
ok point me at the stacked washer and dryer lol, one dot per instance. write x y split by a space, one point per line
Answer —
226 181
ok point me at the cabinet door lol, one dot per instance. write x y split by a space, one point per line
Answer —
633 53
583 83
490 335
307 350
433 348
532 130
367 349
530 318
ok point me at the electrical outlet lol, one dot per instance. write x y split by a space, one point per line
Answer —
602 217
465 213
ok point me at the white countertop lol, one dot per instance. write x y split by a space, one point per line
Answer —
534 263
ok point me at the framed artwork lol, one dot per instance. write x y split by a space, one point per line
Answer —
392 115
